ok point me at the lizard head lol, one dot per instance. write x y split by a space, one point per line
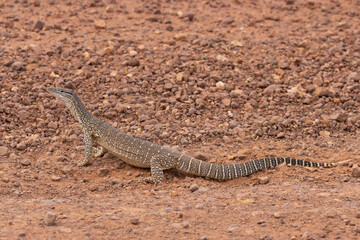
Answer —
69 98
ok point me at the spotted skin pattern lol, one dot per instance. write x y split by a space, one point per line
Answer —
144 154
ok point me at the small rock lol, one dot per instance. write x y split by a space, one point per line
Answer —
25 162
356 172
233 227
39 25
180 36
201 156
134 221
16 184
109 9
22 234
103 172
53 125
358 214
50 219
93 188
17 66
340 117
4 151
55 178
346 179
277 214
179 76
264 180
354 76
100 24
70 85
226 102
227 139
23 114
221 58
133 62
21 146
220 85
133 53
194 187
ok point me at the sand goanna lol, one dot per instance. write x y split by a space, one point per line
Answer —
144 154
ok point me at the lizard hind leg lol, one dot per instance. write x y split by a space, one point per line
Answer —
157 166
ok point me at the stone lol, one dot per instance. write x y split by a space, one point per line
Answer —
21 146
50 219
194 187
133 53
53 125
179 76
201 156
133 62
39 25
55 178
25 162
103 172
23 114
134 221
356 172
264 180
340 117
353 76
226 102
220 85
100 24
4 151
277 214
17 66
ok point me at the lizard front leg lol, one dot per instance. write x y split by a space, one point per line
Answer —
88 150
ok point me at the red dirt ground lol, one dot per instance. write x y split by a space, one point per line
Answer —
228 80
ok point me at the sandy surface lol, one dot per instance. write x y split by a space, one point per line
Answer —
226 80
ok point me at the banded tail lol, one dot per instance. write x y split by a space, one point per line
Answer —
198 167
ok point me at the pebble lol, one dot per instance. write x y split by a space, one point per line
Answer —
278 215
55 178
133 53
50 219
4 150
133 62
25 162
354 76
356 172
226 102
220 85
100 24
103 172
194 187
358 214
201 156
221 58
232 227
53 125
134 221
340 117
17 66
264 180
21 146
179 76
39 25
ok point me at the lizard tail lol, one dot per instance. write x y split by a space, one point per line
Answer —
230 171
